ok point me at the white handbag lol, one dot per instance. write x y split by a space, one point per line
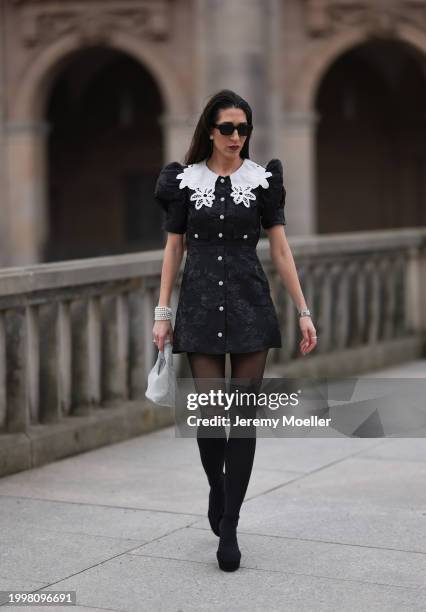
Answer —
161 387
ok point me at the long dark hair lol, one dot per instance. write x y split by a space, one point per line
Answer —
201 145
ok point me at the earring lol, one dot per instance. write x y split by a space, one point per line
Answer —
211 137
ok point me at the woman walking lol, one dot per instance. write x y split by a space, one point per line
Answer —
219 198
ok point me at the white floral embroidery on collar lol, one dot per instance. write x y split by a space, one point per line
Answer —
202 181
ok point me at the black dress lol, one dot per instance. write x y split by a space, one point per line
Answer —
224 304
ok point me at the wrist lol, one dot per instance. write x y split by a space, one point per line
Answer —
304 312
162 313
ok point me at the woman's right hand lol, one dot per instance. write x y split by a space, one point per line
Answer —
161 331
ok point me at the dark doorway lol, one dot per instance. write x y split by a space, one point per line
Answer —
105 150
371 140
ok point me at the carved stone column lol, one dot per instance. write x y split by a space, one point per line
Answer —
299 171
177 132
233 56
26 179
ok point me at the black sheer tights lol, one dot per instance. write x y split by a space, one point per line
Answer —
236 453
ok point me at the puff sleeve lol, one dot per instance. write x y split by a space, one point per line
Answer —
171 198
274 196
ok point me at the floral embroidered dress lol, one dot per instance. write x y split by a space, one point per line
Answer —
224 304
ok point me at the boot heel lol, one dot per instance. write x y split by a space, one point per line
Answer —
228 554
226 564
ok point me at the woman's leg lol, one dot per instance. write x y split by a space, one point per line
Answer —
208 372
241 446
211 440
239 452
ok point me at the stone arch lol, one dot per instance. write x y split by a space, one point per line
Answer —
36 80
26 138
370 104
301 116
317 61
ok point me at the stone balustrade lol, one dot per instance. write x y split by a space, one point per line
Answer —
76 337
367 294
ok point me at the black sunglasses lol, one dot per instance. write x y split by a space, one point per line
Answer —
227 128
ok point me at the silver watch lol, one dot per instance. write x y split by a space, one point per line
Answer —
304 312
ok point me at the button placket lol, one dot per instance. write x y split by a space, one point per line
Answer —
220 258
220 308
221 261
222 216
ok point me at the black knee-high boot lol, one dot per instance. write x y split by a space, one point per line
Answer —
212 443
239 457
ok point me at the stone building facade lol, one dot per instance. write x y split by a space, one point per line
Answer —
96 95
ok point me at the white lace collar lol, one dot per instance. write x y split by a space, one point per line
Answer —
202 181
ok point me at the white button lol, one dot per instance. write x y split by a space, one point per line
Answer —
220 282
195 235
219 334
222 216
220 307
222 199
220 234
222 180
245 236
220 258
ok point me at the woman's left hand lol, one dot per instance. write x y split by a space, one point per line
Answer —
309 340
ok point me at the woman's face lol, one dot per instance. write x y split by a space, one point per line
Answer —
229 146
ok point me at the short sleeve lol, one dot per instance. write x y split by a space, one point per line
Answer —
274 196
171 198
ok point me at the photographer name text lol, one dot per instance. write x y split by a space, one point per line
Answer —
284 421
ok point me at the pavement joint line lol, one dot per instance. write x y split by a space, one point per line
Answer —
164 535
279 471
124 552
128 552
256 569
300 539
82 533
249 533
98 535
61 501
290 572
306 474
399 459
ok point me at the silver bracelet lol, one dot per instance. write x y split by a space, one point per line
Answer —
162 313
304 312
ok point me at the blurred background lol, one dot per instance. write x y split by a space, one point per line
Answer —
95 97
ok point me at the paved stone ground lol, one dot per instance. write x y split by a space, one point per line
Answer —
327 524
